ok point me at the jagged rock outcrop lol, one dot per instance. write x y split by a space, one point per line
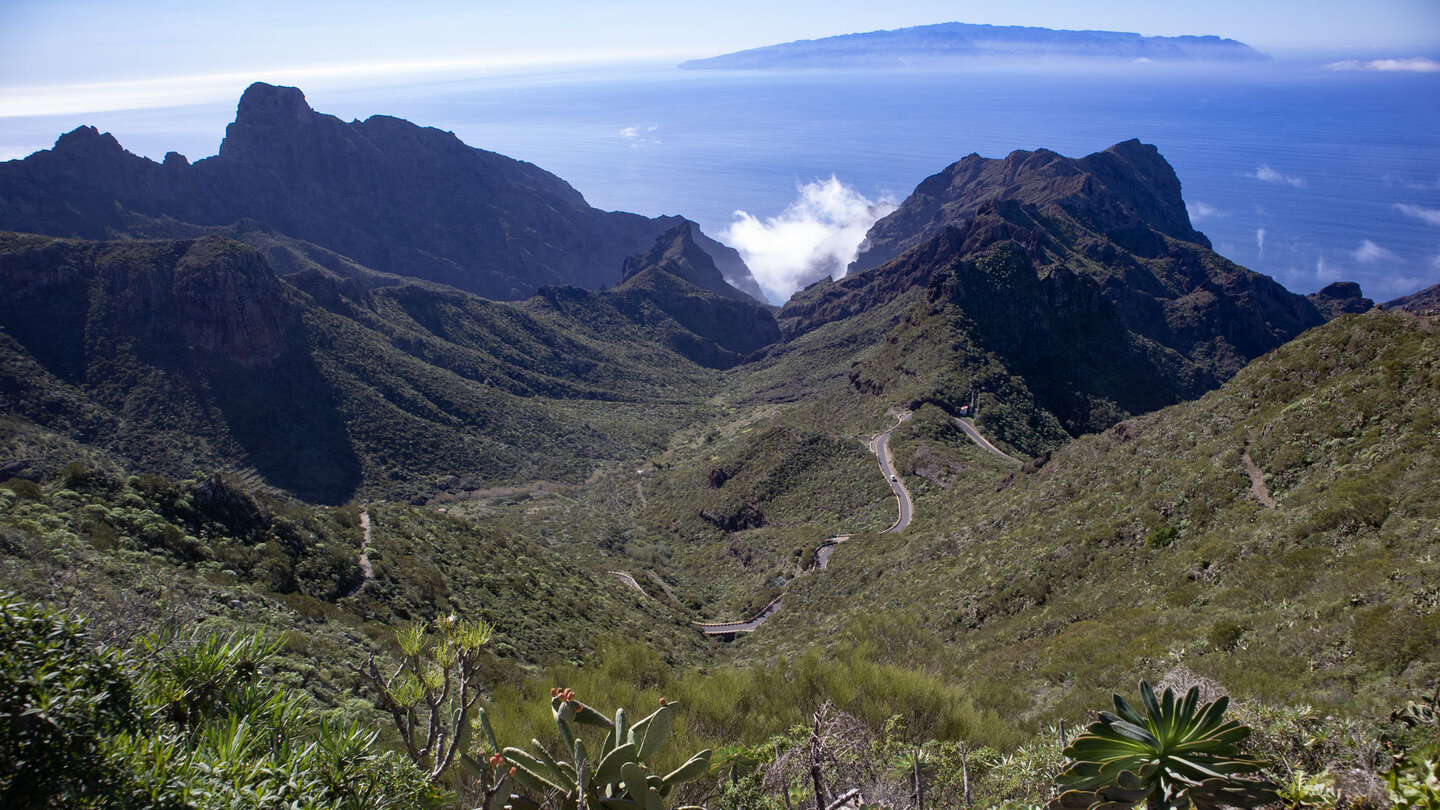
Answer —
1340 298
676 253
1127 193
391 195
1118 218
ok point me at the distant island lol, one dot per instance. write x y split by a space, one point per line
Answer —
953 43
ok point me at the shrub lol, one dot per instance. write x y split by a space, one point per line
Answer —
182 726
60 701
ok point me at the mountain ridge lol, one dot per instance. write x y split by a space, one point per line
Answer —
1065 293
386 193
1074 292
177 354
1122 190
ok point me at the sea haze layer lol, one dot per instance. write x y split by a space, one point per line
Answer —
1306 174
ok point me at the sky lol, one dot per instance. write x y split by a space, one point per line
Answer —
65 56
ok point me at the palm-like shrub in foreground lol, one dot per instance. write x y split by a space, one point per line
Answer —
1176 754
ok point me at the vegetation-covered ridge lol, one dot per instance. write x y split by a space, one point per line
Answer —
1146 547
994 614
1064 294
168 355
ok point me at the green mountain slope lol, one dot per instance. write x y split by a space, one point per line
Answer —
1146 548
1060 295
175 355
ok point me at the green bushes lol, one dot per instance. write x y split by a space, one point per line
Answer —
60 704
432 695
174 726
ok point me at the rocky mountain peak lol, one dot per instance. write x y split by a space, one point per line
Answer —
1127 192
385 193
88 141
676 253
271 122
1340 298
269 104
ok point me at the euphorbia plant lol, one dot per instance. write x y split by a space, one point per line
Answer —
618 777
1176 755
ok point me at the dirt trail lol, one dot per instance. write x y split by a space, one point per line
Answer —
654 577
367 572
1257 480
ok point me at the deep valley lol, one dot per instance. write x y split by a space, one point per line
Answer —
343 379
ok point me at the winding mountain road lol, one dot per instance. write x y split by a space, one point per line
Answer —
629 580
880 446
969 428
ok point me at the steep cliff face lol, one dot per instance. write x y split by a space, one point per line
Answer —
389 194
172 354
208 298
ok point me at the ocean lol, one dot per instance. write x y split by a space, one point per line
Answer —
1309 175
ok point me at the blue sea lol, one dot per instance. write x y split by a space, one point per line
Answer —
1309 175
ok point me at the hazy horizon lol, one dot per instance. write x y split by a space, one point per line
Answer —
165 77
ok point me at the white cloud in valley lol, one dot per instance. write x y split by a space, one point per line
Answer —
1371 253
1415 65
1201 211
1260 241
817 235
640 136
1269 175
1429 216
1388 287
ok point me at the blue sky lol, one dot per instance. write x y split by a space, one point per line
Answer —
74 55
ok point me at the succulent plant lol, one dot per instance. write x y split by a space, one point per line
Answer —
1176 755
616 779
432 695
1414 781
